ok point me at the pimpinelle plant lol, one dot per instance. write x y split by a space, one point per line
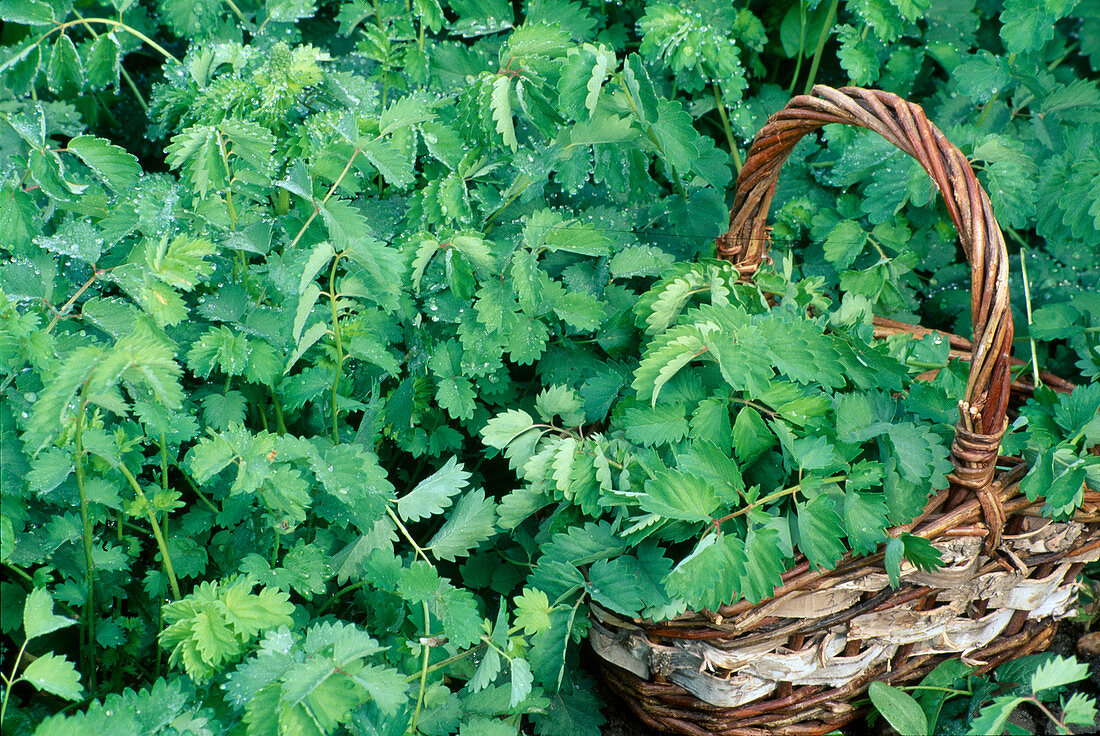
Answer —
252 339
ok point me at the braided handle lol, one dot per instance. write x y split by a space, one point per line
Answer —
983 409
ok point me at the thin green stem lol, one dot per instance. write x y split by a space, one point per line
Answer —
1039 704
317 207
236 11
720 103
802 27
408 537
9 681
163 462
341 593
1030 338
114 23
423 670
20 572
67 307
194 487
771 497
338 370
950 690
88 531
157 533
427 620
447 662
826 29
280 423
229 186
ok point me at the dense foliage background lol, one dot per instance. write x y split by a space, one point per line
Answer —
270 268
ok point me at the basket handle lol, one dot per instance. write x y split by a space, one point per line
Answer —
983 409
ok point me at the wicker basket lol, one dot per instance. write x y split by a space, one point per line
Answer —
795 663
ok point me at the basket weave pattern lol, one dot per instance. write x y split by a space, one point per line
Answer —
794 663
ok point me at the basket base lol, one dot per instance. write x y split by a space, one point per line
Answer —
810 710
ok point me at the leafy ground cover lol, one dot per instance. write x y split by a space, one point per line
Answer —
348 349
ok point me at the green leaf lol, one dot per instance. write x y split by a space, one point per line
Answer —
1058 671
899 708
181 263
820 531
504 428
844 242
751 435
1079 709
385 686
532 611
709 576
655 425
319 257
391 161
404 112
196 151
894 552
470 522
558 400
116 166
613 584
665 357
574 709
501 105
28 12
992 718
676 495
920 552
435 493
857 55
522 680
1027 26
38 616
104 65
64 73
764 565
54 674
865 514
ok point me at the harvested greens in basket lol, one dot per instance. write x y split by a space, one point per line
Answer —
745 433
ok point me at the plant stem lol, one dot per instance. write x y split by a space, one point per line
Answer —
772 497
317 207
339 368
1046 711
427 619
9 681
163 462
1030 338
423 669
194 487
157 533
448 661
801 47
280 424
826 29
89 562
236 11
229 186
114 23
67 307
718 101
